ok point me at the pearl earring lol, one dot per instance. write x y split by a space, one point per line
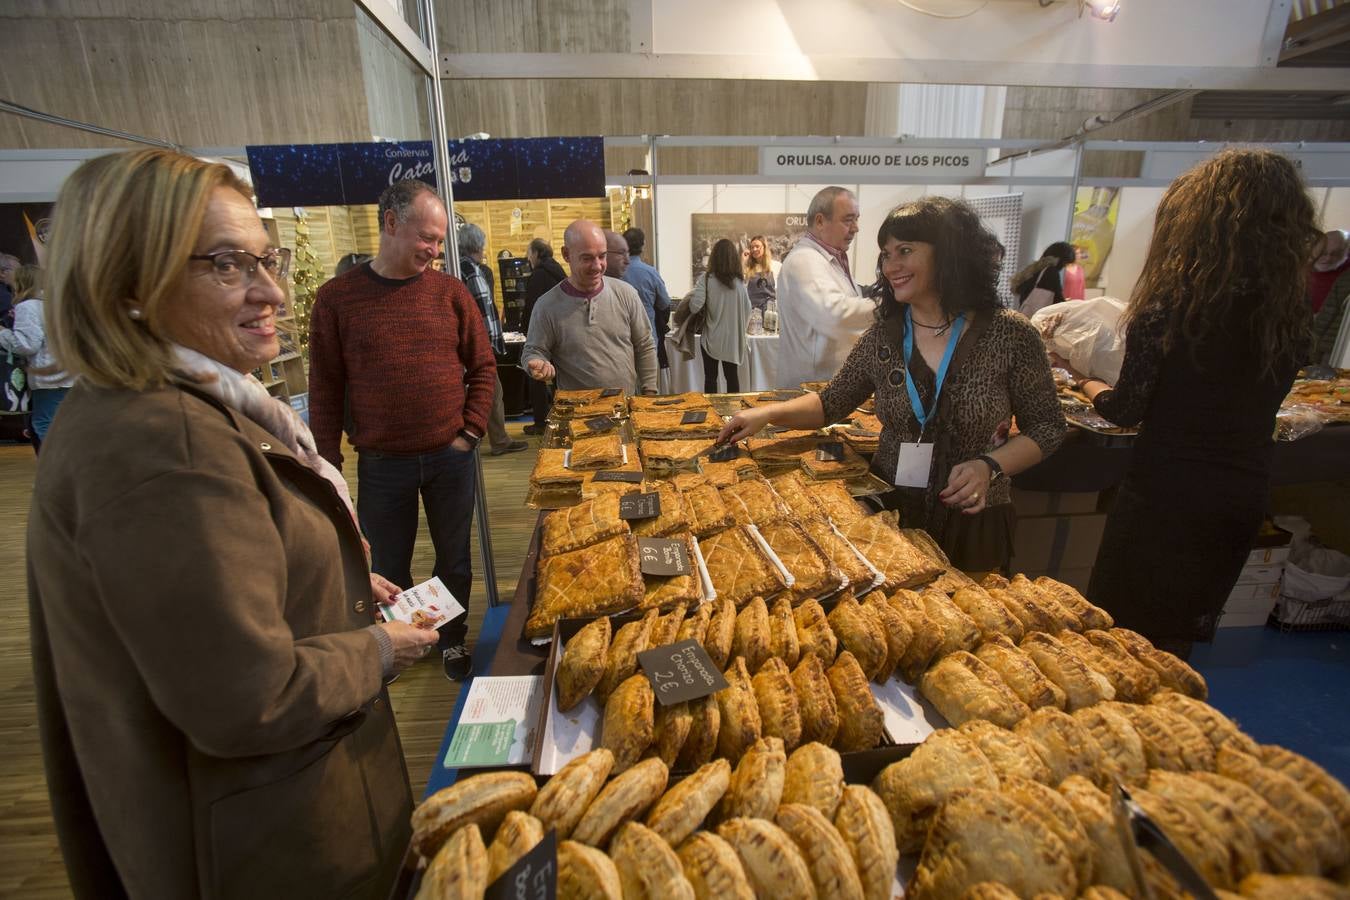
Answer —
134 313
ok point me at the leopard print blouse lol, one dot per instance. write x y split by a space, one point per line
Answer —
999 370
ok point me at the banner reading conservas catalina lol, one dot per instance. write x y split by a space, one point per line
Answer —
356 174
829 162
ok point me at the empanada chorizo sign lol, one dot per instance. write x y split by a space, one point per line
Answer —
681 671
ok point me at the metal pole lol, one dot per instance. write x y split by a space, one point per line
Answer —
50 119
1073 191
651 165
440 149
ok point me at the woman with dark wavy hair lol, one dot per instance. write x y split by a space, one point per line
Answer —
1217 328
950 368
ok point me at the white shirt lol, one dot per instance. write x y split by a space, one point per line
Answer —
821 315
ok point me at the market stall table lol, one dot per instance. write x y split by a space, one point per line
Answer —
758 373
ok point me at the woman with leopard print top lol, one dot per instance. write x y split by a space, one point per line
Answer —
950 368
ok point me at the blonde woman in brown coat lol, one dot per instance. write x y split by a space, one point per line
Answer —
210 682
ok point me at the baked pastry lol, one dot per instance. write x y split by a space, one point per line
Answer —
1055 811
1217 727
1005 750
1032 617
740 724
674 516
783 642
1020 673
1193 832
766 397
1171 741
594 581
1262 886
714 869
756 785
564 401
666 627
1314 779
550 470
823 849
1092 617
705 720
1224 819
815 700
707 512
983 836
728 472
626 797
1122 747
990 616
863 432
894 626
483 800
779 714
958 630
860 721
695 625
1284 846
1132 680
593 486
587 523
750 641
721 631
962 687
1173 673
582 663
671 728
814 576
888 550
687 400
814 634
771 861
670 455
648 867
1048 601
629 723
459 870
1307 812
682 809
860 633
913 789
1066 747
926 637
564 797
814 777
1082 686
670 423
771 447
848 465
601 451
621 659
585 873
518 835
666 591
841 554
754 502
837 502
865 826
738 566
1110 860
792 487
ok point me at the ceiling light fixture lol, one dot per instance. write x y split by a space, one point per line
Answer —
1106 10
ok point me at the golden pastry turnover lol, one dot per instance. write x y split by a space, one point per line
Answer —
899 560
754 502
602 451
837 502
850 465
669 455
674 515
663 592
587 523
738 566
595 581
792 487
550 469
813 574
707 512
782 446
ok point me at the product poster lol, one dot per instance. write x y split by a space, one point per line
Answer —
498 723
1094 228
24 231
781 230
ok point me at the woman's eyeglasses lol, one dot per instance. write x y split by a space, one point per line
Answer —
234 268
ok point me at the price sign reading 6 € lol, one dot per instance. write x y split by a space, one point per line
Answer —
680 671
663 557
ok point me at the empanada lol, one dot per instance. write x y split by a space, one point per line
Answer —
1110 862
587 523
783 642
707 512
1082 686
738 566
840 552
926 637
794 490
894 627
756 785
754 502
750 640
621 658
1284 793
648 867
1314 779
865 826
714 869
720 632
1020 673
814 777
665 628
837 502
1007 752
860 634
629 723
1284 846
1047 601
483 800
913 789
1261 886
459 869
626 797
959 631
826 855
1055 811
740 724
962 687
814 634
1136 682
1173 673
1022 608
672 726
771 861
582 663
598 580
861 724
1092 617
900 562
682 809
1064 744
1232 832
561 802
695 624
1193 833
1217 727
1170 740
779 713
585 873
1122 747
705 720
812 572
815 701
990 616
518 835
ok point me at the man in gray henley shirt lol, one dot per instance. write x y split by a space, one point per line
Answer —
590 331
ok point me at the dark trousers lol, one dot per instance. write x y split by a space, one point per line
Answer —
387 490
729 370
541 398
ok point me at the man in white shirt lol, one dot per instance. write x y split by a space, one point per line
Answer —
821 312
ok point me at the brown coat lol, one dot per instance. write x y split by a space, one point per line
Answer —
213 718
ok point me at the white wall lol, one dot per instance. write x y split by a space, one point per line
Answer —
1334 205
1134 230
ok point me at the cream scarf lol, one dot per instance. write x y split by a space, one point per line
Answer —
247 395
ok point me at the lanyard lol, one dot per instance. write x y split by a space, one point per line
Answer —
915 403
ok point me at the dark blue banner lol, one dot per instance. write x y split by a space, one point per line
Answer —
494 169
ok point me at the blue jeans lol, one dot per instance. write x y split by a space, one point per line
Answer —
43 409
387 489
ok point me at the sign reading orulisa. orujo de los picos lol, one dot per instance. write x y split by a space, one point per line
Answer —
829 162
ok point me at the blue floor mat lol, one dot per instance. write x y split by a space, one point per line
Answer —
1286 689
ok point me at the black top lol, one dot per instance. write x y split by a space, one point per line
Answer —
542 279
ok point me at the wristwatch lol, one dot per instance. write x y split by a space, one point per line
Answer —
473 439
995 470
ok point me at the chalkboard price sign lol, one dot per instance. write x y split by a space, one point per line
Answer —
680 671
640 506
663 557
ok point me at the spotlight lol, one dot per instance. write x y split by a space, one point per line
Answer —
1105 10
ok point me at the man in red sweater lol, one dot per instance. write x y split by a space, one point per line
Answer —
407 346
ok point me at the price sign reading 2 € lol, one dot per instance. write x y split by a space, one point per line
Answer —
680 671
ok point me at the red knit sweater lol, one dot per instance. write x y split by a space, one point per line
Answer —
413 356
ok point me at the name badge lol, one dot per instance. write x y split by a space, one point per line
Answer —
914 466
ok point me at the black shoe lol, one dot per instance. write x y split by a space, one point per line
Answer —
513 447
456 661
534 429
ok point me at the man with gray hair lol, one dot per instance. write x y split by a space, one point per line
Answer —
407 346
821 312
477 277
9 264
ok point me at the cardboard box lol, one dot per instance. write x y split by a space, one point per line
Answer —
1261 574
1053 544
1054 503
1268 556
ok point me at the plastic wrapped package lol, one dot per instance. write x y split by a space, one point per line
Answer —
1087 333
